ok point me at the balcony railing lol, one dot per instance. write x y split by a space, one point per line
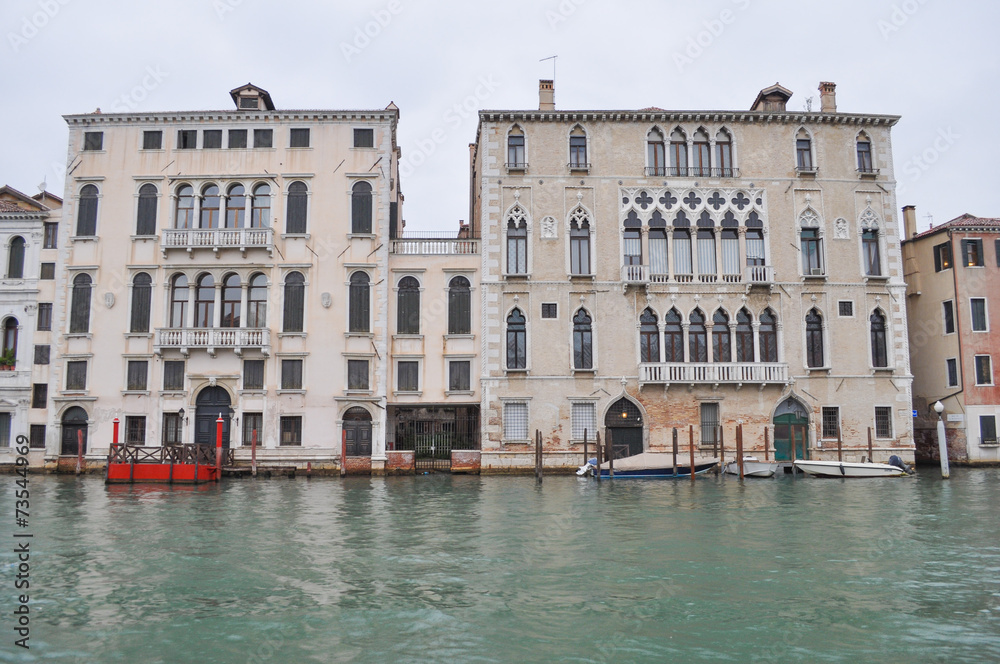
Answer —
212 338
642 274
435 246
729 372
695 172
868 172
516 166
578 166
760 274
218 238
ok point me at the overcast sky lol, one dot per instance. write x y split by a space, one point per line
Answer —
935 63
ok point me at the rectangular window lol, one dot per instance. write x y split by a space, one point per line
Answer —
984 370
579 250
4 429
846 308
237 138
812 252
972 253
948 310
137 372
987 429
51 240
951 365
683 268
364 138
47 271
93 140
942 256
709 424
831 421
883 422
263 138
173 375
978 305
578 152
706 254
42 354
291 374
550 310
76 375
406 376
515 421
39 395
298 138
357 374
515 151
152 140
187 139
253 422
172 429
44 316
253 374
36 436
864 157
135 430
730 243
584 420
996 251
291 430
211 139
659 262
459 372
872 258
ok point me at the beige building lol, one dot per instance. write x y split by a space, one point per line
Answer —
952 275
645 270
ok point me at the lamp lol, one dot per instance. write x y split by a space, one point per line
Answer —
938 408
180 414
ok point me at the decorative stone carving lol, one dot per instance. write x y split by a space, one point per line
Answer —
840 230
549 231
109 299
326 300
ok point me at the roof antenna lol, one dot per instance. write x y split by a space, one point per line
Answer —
553 59
43 186
809 104
930 219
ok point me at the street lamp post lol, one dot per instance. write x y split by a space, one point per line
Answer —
942 444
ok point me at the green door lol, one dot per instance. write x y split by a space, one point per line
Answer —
791 431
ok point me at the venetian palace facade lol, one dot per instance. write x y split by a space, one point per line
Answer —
647 269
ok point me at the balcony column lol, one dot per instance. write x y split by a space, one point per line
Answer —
217 312
685 351
244 289
756 340
719 269
189 305
710 339
196 222
661 326
741 258
690 155
732 339
779 333
711 157
247 209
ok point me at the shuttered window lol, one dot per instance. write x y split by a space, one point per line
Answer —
79 322
291 374
459 306
76 375
706 252
15 260
359 304
298 138
142 293
39 395
364 138
294 308
173 375
408 306
682 252
658 252
459 372
361 208
137 372
298 206
44 316
730 252
42 353
145 223
407 376
357 374
253 374
86 216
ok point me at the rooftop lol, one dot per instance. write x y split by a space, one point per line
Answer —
963 222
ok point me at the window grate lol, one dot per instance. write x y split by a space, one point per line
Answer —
36 434
515 421
135 429
709 423
291 430
831 421
845 308
550 310
584 419
253 422
883 422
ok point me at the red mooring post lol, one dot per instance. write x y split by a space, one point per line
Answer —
79 451
253 453
114 436
218 447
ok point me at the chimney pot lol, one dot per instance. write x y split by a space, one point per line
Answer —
546 95
828 97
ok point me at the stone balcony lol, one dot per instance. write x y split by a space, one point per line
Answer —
428 245
641 275
212 339
217 239
729 373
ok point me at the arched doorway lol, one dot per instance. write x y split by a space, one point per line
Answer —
791 430
358 430
74 422
210 404
623 424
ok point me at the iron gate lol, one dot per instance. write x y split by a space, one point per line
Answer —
433 440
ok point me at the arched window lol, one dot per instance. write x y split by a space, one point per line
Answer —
579 245
864 147
408 306
683 265
257 301
697 337
178 300
210 202
720 337
298 207
260 213
15 258
204 301
649 337
578 148
359 304
632 242
673 337
814 339
659 262
707 268
880 355
10 339
769 337
361 208
803 151
744 336
755 241
236 206
583 341
459 306
86 217
656 154
517 341
145 220
702 154
232 295
515 149
811 243
79 320
724 154
184 216
678 153
293 317
142 297
517 242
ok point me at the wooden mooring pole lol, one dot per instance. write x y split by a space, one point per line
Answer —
600 457
253 453
840 445
739 448
609 449
870 460
675 451
79 451
722 450
767 443
691 450
343 453
538 456
585 459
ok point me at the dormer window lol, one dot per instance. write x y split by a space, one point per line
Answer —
251 98
248 103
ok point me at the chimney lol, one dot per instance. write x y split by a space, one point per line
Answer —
828 97
911 268
546 95
909 221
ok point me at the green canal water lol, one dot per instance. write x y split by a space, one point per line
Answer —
467 569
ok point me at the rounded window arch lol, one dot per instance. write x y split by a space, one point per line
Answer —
79 321
293 314
814 338
459 306
583 340
257 301
298 208
724 153
232 296
656 153
880 351
179 292
204 301
359 317
15 258
184 210
86 217
408 306
261 206
361 208
678 152
211 200
10 326
236 206
517 340
649 337
803 151
142 298
702 154
721 340
145 219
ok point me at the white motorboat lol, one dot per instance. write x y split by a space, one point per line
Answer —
752 467
848 469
